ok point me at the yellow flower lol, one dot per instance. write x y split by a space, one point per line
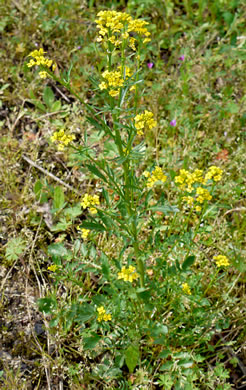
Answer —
114 80
43 74
185 179
128 274
53 267
146 174
156 175
138 26
39 59
203 194
132 43
125 35
89 201
103 85
214 173
197 176
84 232
221 261
102 315
186 288
188 199
114 92
114 25
144 121
62 138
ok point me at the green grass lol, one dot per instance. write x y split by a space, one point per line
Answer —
198 340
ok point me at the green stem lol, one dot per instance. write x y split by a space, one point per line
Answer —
137 78
140 264
211 281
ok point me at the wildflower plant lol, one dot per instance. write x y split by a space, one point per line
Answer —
150 268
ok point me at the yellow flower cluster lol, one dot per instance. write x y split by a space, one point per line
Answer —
214 173
53 267
156 175
113 80
62 138
188 200
203 194
144 121
39 59
90 201
128 274
84 232
116 27
221 261
186 179
186 288
139 26
102 315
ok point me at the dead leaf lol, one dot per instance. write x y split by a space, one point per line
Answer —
222 155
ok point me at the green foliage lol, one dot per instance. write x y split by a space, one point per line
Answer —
159 334
132 357
14 249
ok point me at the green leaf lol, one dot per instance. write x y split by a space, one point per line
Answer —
15 247
57 249
73 212
37 103
59 200
164 354
61 226
166 209
232 107
132 357
188 262
48 96
56 106
166 366
37 188
96 172
186 363
40 192
159 330
105 266
84 312
47 305
93 226
91 342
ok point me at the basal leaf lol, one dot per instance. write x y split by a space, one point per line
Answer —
132 357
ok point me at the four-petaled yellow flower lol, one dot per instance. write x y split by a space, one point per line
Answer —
102 315
214 173
156 175
186 179
84 232
186 288
128 274
39 59
188 199
221 261
114 80
116 27
53 267
90 201
203 194
144 121
62 138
